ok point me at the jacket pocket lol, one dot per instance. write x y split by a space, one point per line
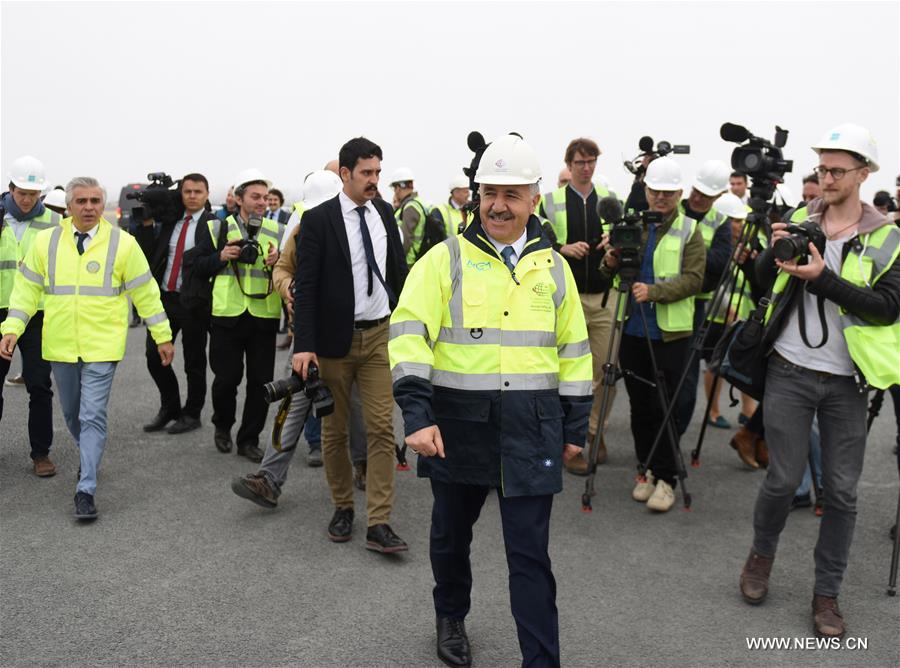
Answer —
550 418
469 436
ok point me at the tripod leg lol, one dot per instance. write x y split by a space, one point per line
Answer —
895 555
695 453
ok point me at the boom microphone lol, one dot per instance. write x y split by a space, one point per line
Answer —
645 144
735 133
610 209
475 141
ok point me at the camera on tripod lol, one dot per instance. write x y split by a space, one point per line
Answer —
759 158
313 390
797 244
645 144
161 200
625 233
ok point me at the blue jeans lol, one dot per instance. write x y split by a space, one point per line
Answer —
83 389
815 449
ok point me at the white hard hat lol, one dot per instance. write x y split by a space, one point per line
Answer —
712 178
853 138
250 175
461 181
731 205
785 194
663 174
320 186
27 173
401 175
509 161
56 197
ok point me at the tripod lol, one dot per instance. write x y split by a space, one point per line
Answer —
611 373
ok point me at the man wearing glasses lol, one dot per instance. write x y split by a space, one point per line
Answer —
572 212
821 364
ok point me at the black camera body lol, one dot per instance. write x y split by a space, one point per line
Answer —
161 200
797 244
250 250
758 158
314 391
645 144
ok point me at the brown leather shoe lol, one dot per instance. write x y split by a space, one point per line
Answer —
755 578
744 441
577 465
827 618
762 453
44 468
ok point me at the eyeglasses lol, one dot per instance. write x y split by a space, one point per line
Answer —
837 173
581 164
661 193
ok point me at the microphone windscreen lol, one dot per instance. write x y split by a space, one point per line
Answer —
475 141
610 209
734 133
645 144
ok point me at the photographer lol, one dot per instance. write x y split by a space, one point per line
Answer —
832 330
671 274
171 255
239 253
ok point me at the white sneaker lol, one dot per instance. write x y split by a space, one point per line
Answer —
663 497
643 490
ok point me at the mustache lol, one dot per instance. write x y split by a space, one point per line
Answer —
494 215
371 188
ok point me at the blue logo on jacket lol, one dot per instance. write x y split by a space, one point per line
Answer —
478 266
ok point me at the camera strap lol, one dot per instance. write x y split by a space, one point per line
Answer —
259 295
820 307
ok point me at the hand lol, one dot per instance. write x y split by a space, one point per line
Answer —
576 250
570 452
7 346
810 271
289 302
272 257
300 363
778 232
426 442
611 258
166 352
230 251
641 292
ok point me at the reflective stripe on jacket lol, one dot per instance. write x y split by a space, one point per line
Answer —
13 251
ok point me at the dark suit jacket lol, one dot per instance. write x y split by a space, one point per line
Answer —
323 283
281 216
156 247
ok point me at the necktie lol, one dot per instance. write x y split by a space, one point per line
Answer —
179 253
370 255
507 254
80 243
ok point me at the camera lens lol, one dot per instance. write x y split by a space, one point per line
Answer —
787 248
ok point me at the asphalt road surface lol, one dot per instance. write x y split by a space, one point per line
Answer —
178 571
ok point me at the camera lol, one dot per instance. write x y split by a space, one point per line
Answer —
759 158
313 390
625 233
645 144
161 200
797 244
250 250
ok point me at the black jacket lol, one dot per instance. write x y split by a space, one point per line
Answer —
324 302
156 246
583 224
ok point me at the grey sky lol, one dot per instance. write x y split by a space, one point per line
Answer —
116 90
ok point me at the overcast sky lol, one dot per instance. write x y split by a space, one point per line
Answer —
117 90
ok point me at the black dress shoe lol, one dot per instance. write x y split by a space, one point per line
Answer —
251 452
183 424
84 506
341 525
223 440
453 643
381 538
162 418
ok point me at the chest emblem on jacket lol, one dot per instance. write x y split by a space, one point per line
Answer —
478 266
93 267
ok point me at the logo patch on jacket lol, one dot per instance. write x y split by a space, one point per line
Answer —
93 266
542 289
478 266
548 463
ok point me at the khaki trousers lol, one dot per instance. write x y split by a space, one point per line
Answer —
367 363
599 321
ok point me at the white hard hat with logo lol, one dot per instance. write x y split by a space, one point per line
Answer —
712 178
28 173
853 138
509 161
663 174
249 176
319 186
461 181
401 175
57 198
731 205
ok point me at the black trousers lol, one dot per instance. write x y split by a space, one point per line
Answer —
647 411
526 535
36 372
230 342
194 326
684 409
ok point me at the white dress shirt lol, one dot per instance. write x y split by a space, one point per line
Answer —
518 246
374 306
173 245
91 233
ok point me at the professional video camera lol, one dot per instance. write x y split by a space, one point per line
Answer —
161 199
625 234
797 244
313 390
250 248
637 167
759 159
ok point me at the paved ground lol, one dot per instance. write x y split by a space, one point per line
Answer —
178 571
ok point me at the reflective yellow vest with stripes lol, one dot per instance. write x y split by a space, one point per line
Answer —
875 349
86 311
12 251
463 322
709 224
452 218
554 204
240 287
419 230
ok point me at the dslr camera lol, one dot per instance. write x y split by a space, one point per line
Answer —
161 200
313 391
250 248
797 244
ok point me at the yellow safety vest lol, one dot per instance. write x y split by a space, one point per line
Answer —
12 251
452 218
419 230
554 204
240 287
86 311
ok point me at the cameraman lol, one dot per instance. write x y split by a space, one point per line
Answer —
170 256
855 284
671 274
245 311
